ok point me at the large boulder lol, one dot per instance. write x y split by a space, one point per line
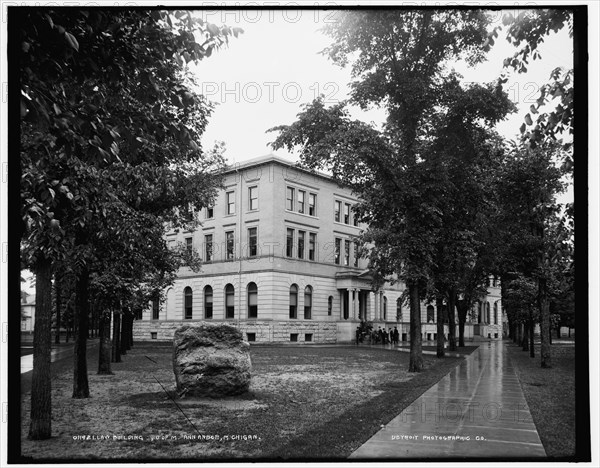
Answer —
211 360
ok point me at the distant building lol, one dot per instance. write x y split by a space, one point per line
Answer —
280 263
27 311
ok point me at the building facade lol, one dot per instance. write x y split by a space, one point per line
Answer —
280 262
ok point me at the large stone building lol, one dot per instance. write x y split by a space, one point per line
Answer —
280 262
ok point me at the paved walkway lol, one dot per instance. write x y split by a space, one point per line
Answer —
476 411
58 353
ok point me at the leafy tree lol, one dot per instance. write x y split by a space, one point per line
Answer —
110 125
398 62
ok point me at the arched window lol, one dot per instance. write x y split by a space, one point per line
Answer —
479 312
187 303
330 305
208 302
252 300
293 301
229 301
384 308
495 313
399 310
155 308
487 312
430 314
308 302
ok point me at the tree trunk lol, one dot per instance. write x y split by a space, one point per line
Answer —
41 405
544 306
530 337
105 344
124 333
440 327
452 320
116 346
461 307
416 349
58 300
525 337
80 378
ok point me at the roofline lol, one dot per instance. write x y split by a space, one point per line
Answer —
272 158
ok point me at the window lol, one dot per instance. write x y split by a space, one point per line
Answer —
494 281
301 195
384 308
230 199
301 236
208 247
338 248
355 220
293 336
293 301
289 245
430 314
308 336
312 204
155 309
252 300
253 198
153 335
312 241
289 199
187 303
188 244
495 313
487 312
308 302
346 213
230 245
346 252
329 305
399 310
356 254
229 301
337 211
210 212
251 336
252 242
208 302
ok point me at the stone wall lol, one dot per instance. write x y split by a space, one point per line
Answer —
266 331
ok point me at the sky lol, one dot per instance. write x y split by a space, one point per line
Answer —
261 79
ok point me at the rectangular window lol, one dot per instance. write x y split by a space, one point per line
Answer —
337 211
251 336
230 245
301 195
312 241
252 242
289 199
347 252
289 243
312 204
230 198
153 335
308 336
356 255
208 247
301 236
338 249
155 309
188 244
253 198
346 213
210 212
293 336
355 220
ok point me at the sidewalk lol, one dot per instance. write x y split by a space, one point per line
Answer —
476 411
59 352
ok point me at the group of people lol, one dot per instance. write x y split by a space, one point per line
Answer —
380 336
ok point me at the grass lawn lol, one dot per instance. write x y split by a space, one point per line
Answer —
304 403
550 395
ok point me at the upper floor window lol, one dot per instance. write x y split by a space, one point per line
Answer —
337 252
312 241
346 213
356 254
187 302
230 245
301 237
229 301
347 252
230 200
188 244
210 212
252 242
301 196
253 198
252 300
430 314
337 211
289 199
312 204
355 220
289 243
208 247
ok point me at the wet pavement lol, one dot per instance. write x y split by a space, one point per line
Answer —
476 411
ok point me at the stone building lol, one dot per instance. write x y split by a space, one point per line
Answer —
280 262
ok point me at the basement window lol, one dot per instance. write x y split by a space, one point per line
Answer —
293 336
251 336
153 335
